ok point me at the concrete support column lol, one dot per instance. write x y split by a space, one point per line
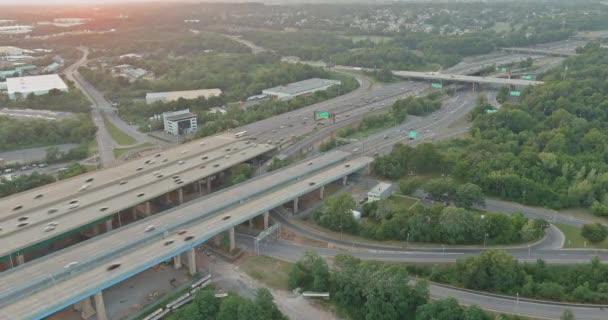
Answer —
192 261
20 259
208 184
100 307
168 197
196 186
177 261
147 210
96 230
109 225
216 240
232 240
321 192
85 307
250 223
134 213
180 196
266 216
295 205
344 180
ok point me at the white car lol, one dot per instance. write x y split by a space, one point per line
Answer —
71 264
149 228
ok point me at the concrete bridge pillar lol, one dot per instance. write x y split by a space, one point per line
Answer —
147 209
177 261
216 240
295 204
266 216
196 186
134 213
321 192
232 240
109 225
180 196
100 306
208 185
85 307
168 197
20 259
192 261
96 230
251 223
344 180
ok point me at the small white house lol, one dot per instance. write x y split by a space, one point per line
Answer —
356 215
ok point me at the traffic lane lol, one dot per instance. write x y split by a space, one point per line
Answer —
516 306
547 214
274 248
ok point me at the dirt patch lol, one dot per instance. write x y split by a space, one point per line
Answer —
291 236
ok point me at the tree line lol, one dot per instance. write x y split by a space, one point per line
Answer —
22 183
366 290
383 220
55 100
206 306
497 271
15 133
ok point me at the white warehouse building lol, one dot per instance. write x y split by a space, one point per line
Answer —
176 95
295 89
179 122
381 191
37 85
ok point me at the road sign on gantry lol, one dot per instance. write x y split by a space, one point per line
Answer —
515 93
437 85
413 135
527 77
321 115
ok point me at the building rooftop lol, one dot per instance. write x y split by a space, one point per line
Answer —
182 116
35 83
188 94
302 86
380 187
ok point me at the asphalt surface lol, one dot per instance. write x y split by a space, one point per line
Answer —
104 140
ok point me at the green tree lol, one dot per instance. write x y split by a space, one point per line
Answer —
567 315
595 232
336 213
385 74
468 195
266 307
229 308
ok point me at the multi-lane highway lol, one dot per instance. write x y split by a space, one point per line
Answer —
44 213
52 284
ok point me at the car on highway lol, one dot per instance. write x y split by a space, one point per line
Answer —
71 264
149 228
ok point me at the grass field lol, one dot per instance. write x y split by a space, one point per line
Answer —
271 272
120 151
118 135
402 202
575 240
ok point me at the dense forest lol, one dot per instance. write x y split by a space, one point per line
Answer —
497 271
367 290
548 149
16 134
383 220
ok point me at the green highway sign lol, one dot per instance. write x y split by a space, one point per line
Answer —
322 115
437 85
491 111
503 69
527 77
515 93
413 135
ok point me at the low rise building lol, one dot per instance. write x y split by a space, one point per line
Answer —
380 191
299 88
176 95
37 85
179 122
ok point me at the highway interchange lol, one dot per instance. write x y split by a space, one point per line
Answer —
299 126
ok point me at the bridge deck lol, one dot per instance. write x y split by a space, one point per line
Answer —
77 287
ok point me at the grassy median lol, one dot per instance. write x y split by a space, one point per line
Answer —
575 240
118 135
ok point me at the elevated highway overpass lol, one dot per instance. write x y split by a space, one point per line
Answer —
537 51
40 288
41 215
435 76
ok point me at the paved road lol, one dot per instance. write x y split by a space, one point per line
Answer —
541 310
104 141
